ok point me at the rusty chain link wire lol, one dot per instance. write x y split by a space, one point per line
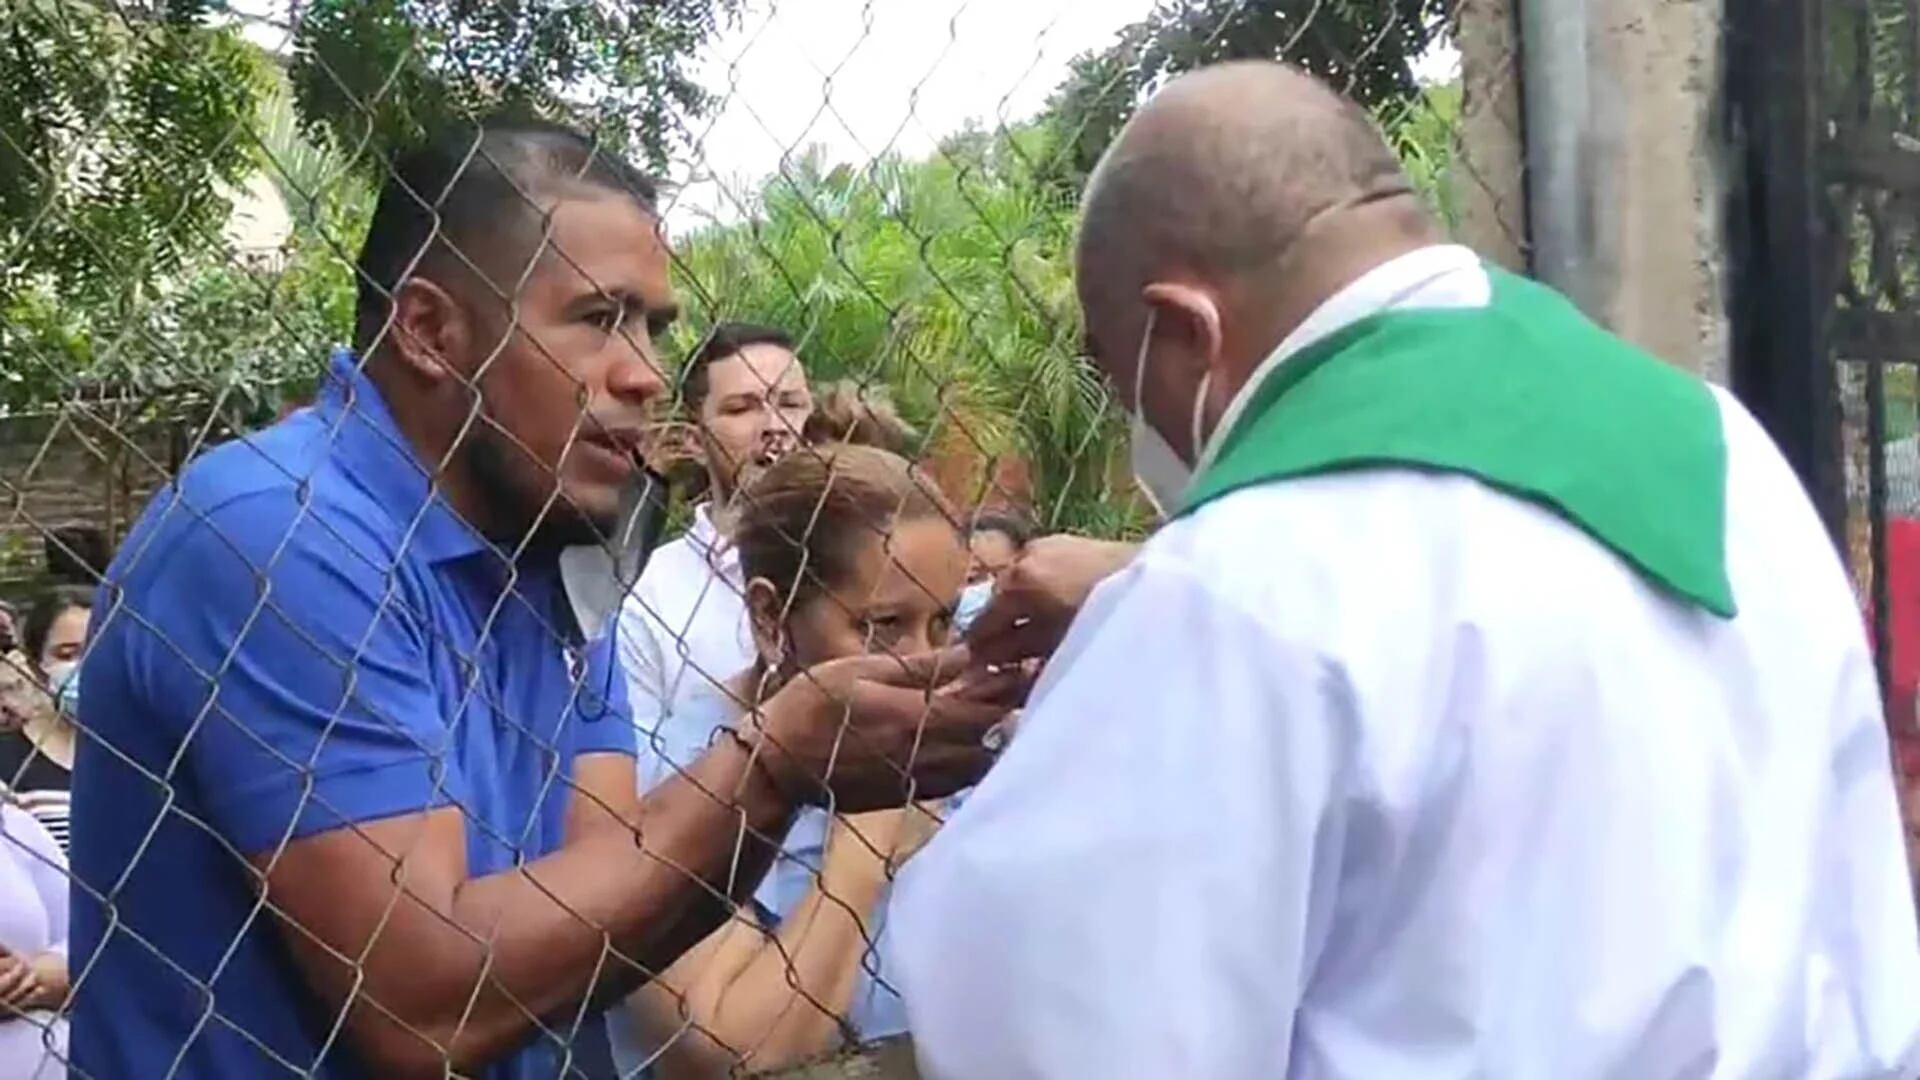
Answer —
923 295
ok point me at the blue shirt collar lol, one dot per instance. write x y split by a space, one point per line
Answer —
371 449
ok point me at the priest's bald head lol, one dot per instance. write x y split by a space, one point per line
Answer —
1233 203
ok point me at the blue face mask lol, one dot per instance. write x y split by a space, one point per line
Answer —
63 678
973 600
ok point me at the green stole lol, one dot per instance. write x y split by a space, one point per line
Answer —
1528 396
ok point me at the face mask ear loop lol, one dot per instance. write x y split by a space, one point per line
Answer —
1140 366
1199 413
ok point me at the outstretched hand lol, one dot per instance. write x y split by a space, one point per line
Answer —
1036 598
873 732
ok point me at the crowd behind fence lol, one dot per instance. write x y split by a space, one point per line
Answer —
188 188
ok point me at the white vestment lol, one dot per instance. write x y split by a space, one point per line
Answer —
1387 774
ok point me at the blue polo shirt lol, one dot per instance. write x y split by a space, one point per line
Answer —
294 637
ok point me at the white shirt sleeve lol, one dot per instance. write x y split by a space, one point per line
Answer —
1138 887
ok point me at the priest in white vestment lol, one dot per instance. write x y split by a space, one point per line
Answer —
1492 704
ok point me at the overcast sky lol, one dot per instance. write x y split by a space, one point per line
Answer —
861 76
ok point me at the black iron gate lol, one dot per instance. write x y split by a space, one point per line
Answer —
1824 107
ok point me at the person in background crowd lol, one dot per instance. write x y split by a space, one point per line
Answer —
684 625
344 644
36 762
1493 702
996 541
847 412
846 550
746 392
20 690
77 555
33 949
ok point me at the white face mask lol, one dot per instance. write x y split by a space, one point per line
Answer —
1162 474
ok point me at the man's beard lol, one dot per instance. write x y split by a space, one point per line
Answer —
523 510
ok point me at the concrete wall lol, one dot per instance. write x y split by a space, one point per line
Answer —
259 225
1671 291
85 468
1489 177
1626 163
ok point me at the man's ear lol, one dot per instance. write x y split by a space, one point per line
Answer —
1187 317
763 612
430 331
1190 338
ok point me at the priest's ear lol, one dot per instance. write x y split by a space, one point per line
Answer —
1186 324
764 607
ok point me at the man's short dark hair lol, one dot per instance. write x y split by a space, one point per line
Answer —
724 340
77 555
459 193
1010 525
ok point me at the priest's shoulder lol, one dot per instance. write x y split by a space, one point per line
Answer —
1303 535
1353 555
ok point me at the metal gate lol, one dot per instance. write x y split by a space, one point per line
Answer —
1824 108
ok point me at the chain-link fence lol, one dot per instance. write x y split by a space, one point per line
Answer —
342 713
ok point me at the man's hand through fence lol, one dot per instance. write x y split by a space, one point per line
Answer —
872 732
1036 598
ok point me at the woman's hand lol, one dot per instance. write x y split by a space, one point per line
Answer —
52 986
19 982
862 732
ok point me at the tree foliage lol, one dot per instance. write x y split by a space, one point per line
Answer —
225 326
128 128
380 72
948 281
1366 48
120 132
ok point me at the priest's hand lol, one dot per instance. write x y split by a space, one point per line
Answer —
873 732
1036 598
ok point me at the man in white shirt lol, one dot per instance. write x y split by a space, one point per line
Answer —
684 626
1493 703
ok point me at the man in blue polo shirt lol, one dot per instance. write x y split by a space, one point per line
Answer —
358 799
